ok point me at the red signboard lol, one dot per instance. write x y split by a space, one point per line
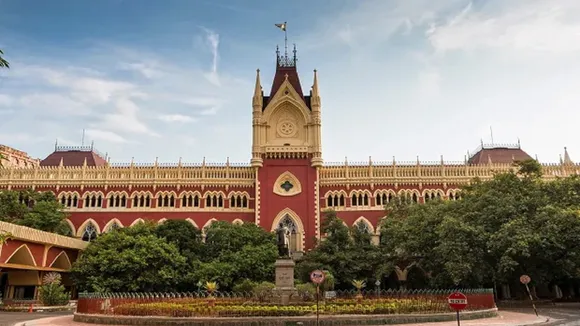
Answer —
525 279
457 301
317 276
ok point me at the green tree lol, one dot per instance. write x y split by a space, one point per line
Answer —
130 260
233 252
39 210
185 236
3 62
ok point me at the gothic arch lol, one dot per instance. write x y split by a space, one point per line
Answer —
280 100
367 222
81 228
208 224
139 220
71 225
190 193
62 261
287 184
192 222
117 193
297 222
109 224
22 256
238 221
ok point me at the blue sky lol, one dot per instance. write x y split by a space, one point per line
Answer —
174 78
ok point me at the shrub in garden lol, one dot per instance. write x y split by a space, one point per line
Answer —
52 292
245 286
263 291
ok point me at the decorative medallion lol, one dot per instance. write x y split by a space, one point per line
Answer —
287 128
287 185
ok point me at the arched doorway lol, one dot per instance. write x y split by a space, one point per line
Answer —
289 219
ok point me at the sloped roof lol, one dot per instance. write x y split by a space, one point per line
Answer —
503 154
74 156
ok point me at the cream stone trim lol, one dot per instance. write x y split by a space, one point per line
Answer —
71 225
24 233
317 206
107 226
141 193
190 193
287 176
238 221
66 257
409 192
384 191
239 193
165 193
135 222
68 194
29 257
208 223
83 226
93 193
214 193
367 222
161 221
192 222
360 192
433 191
117 193
301 232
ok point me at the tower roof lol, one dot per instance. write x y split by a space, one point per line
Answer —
74 156
286 66
494 153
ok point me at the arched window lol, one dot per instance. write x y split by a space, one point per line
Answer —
113 227
90 232
294 236
363 227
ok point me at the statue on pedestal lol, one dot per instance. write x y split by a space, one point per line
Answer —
283 236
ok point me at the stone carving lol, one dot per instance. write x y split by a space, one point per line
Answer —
286 128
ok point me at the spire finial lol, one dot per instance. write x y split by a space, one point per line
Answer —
567 159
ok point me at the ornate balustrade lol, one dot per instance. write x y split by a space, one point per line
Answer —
424 173
130 175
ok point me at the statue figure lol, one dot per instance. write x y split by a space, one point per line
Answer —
283 235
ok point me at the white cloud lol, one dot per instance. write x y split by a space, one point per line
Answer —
53 103
176 118
531 25
213 41
125 119
104 135
146 69
6 100
210 111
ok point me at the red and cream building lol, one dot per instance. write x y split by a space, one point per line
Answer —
286 181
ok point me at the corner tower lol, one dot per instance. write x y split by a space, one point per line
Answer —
286 124
287 153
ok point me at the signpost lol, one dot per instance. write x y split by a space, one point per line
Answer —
317 277
457 301
525 280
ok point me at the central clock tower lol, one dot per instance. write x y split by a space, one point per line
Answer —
286 152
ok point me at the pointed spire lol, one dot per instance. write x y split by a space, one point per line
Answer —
257 100
85 162
156 161
61 162
442 161
370 161
228 161
315 84
56 144
179 163
567 159
465 159
133 161
537 158
561 160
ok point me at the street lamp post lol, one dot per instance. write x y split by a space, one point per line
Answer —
378 284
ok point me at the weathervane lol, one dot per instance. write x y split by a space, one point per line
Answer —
285 61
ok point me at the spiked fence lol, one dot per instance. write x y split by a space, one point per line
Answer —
250 304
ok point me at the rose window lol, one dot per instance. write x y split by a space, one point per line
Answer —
287 128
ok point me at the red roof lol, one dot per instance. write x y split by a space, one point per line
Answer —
74 157
498 154
280 76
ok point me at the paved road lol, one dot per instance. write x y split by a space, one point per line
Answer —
560 315
11 318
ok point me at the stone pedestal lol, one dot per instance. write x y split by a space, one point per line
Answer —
285 280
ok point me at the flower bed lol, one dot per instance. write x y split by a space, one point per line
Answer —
252 309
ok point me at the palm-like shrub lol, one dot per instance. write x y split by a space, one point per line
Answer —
52 292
